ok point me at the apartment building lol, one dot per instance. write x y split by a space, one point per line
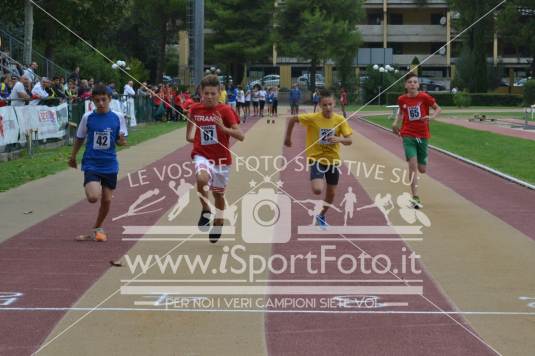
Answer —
413 28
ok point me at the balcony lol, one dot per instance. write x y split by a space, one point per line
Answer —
404 33
406 59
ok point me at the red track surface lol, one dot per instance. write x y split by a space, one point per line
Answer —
506 131
52 270
508 201
363 334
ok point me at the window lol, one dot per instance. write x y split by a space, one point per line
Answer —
374 18
435 19
395 19
397 48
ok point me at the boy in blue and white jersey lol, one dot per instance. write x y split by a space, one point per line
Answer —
104 130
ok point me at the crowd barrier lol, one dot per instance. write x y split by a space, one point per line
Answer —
42 123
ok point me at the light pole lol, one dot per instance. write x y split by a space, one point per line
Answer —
383 70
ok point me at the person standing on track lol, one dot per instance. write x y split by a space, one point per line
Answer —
262 95
210 127
344 101
275 104
295 96
414 117
255 100
325 131
104 129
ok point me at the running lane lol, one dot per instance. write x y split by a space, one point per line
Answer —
344 331
51 270
508 201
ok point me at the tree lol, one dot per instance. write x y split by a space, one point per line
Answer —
516 24
240 33
476 40
311 30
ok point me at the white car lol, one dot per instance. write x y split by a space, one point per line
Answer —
304 80
270 80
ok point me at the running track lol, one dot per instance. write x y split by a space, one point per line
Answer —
52 271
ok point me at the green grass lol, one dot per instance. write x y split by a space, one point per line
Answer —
374 107
45 162
510 155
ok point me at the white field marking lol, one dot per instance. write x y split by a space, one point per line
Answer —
360 230
304 311
272 290
8 298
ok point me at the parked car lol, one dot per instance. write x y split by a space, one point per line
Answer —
304 80
427 84
270 80
521 82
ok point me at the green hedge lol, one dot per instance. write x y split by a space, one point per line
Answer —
478 99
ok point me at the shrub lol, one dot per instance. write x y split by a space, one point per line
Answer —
462 99
529 92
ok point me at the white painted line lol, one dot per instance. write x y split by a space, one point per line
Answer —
183 281
337 239
360 230
304 311
394 304
163 239
340 280
469 161
173 230
272 290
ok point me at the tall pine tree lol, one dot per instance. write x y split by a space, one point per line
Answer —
240 32
319 30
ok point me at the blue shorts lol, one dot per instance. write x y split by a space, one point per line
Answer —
108 180
318 171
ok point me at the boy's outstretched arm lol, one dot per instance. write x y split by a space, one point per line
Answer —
291 123
78 142
395 126
346 140
234 131
190 130
436 111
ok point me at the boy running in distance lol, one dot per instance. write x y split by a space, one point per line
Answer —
210 127
414 117
104 130
325 131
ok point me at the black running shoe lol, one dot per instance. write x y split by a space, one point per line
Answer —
204 221
215 233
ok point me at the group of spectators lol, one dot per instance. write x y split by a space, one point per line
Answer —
170 103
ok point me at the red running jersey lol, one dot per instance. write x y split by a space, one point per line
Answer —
211 142
413 110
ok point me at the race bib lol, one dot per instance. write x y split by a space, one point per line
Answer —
208 135
101 140
324 135
414 113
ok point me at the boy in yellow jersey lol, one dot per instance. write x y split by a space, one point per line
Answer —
325 131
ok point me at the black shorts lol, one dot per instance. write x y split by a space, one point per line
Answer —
318 171
275 104
108 180
262 104
247 104
255 104
294 104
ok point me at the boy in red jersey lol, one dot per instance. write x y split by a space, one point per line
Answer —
414 115
210 127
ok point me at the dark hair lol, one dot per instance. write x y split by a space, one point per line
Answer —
101 89
410 75
210 81
325 93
